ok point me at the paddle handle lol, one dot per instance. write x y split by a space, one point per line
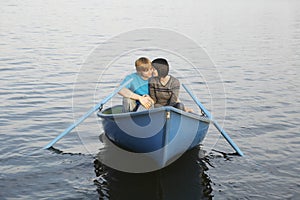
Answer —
207 113
81 119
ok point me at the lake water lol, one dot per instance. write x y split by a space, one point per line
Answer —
59 58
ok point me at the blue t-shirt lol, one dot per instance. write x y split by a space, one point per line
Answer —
137 85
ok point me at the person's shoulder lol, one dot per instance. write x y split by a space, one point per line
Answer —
153 79
129 75
133 76
174 79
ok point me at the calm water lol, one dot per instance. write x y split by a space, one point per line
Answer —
50 77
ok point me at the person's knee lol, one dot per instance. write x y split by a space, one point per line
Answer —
179 106
129 105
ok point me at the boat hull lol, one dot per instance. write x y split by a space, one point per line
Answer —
162 133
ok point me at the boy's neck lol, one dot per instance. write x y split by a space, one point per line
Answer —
164 80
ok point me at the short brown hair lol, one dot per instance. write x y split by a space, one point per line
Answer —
143 64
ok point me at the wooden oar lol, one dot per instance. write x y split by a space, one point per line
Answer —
224 134
92 110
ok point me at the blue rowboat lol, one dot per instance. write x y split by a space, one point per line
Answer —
160 135
163 133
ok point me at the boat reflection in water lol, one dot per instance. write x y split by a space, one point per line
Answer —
183 179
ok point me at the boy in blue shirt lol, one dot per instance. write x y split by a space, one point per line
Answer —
136 93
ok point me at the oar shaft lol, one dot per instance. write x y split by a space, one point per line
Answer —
70 128
81 119
207 113
227 138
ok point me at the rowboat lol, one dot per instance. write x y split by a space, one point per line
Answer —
155 138
161 134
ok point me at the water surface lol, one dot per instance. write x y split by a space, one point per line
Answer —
44 48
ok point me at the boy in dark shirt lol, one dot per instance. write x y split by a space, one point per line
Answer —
164 88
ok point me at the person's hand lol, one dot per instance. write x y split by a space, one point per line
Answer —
187 109
146 101
149 98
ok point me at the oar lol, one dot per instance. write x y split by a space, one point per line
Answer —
92 110
224 134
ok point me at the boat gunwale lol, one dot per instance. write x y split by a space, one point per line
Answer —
164 108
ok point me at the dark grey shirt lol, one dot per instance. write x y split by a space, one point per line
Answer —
164 95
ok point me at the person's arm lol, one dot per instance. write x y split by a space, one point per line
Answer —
146 101
176 96
175 91
125 92
152 91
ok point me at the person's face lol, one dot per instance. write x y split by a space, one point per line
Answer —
146 74
154 72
